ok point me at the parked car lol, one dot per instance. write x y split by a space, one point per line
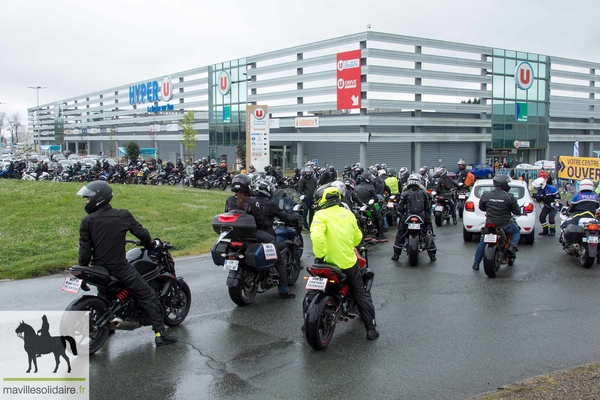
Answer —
474 218
58 157
482 170
73 157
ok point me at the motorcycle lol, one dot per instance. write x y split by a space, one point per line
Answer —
442 210
417 239
582 239
329 299
251 263
114 307
460 204
392 209
496 249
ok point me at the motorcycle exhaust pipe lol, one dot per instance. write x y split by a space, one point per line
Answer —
122 325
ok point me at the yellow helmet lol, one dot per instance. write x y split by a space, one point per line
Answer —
327 196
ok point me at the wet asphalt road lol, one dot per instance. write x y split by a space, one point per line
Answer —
447 332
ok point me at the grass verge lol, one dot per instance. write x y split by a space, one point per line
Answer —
39 222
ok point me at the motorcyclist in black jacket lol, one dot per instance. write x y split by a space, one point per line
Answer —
445 186
499 206
414 199
264 191
366 192
102 242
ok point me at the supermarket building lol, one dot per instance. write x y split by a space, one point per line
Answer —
407 101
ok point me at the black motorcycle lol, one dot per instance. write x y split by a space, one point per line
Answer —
442 210
250 262
462 196
329 299
417 239
114 307
497 242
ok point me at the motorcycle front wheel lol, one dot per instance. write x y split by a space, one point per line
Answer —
185 182
176 303
319 323
491 260
413 250
244 292
96 309
222 185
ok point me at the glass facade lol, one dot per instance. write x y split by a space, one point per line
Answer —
227 113
517 114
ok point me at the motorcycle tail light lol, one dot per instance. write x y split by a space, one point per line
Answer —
470 206
228 218
236 244
593 227
414 219
490 226
324 273
441 198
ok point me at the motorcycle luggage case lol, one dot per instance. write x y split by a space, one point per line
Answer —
256 257
219 248
240 223
574 233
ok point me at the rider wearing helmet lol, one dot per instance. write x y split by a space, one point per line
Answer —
392 181
251 169
403 177
413 200
461 172
263 190
102 242
347 173
425 178
334 235
548 195
366 192
583 205
306 188
499 206
445 186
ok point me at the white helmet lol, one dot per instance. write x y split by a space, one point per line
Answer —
586 184
539 183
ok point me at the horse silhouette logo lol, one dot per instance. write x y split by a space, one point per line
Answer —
40 343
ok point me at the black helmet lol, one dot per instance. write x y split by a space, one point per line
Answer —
347 168
241 183
99 193
440 172
501 181
268 168
367 177
331 168
296 170
423 170
251 168
350 184
264 188
391 172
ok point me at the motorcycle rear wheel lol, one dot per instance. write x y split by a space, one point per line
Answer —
222 185
96 309
413 251
438 219
491 260
319 323
245 291
176 303
185 182
584 259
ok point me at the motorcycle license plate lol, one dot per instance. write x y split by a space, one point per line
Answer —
592 239
71 284
390 204
439 208
490 238
414 226
316 283
462 196
231 265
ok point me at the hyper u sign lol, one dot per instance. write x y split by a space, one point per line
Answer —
151 91
524 75
348 80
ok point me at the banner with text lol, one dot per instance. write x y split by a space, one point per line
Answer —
578 168
348 80
257 137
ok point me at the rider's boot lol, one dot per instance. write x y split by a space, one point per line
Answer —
552 230
397 252
544 231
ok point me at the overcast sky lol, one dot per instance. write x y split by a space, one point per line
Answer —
74 47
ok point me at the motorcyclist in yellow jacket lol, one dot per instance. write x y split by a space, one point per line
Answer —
334 234
392 181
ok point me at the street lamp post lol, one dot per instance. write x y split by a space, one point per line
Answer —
37 113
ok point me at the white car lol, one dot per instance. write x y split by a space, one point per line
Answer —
474 218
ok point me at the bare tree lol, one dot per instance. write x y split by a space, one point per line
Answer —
2 120
14 122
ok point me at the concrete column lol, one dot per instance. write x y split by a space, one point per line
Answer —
363 155
300 152
547 152
417 157
482 152
181 147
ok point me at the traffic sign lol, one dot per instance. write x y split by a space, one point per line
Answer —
578 168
